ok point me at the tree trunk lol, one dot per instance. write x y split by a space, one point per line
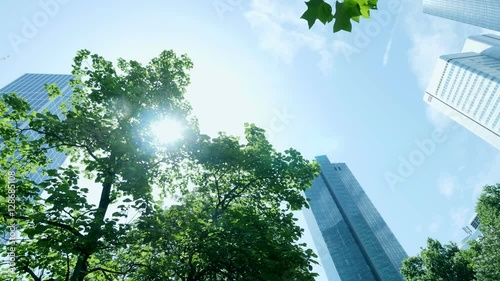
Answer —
90 245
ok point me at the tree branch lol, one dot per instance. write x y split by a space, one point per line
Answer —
28 270
53 223
67 267
104 270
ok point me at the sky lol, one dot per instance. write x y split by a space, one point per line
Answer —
355 97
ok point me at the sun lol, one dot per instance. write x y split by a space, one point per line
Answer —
167 131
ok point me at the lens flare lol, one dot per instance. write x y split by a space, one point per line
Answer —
167 130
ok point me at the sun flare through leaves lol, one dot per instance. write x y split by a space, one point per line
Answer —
167 130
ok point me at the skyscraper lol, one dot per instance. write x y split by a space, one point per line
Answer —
465 87
354 243
32 88
473 232
482 13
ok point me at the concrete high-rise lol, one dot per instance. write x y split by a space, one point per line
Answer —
353 240
482 13
465 87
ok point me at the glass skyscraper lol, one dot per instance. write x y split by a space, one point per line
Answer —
482 13
354 243
32 88
465 87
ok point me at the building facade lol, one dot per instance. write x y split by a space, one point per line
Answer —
465 87
32 88
473 232
482 13
354 243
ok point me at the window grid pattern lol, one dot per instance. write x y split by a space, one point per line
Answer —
468 73
475 222
483 13
449 73
342 247
338 199
477 79
467 92
386 239
32 88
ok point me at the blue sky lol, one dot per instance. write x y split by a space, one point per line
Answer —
356 97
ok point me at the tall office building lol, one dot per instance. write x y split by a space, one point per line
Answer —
482 13
353 241
31 87
473 232
465 87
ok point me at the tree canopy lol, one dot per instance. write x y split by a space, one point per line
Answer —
232 218
488 208
481 261
439 263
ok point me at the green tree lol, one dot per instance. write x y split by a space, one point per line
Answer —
232 220
105 128
481 261
439 262
488 209
345 11
234 223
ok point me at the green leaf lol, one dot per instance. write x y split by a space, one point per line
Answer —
53 91
343 13
52 173
317 10
366 6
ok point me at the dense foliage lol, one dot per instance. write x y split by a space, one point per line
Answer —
481 261
232 216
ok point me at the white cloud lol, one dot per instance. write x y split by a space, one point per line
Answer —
426 50
459 217
325 63
432 37
438 119
446 185
273 37
435 225
387 52
282 33
489 175
388 47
